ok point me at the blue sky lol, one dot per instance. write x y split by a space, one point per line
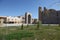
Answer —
19 7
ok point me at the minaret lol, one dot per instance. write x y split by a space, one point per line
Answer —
45 10
39 13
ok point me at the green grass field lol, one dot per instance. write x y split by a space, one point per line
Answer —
30 33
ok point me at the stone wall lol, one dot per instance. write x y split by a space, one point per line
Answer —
50 16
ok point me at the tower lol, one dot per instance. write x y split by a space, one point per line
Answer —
45 10
39 13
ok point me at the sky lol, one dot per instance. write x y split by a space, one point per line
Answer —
19 7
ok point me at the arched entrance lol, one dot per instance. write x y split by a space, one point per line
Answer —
29 19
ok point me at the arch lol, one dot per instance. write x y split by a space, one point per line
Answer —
29 19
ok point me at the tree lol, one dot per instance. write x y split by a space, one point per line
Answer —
27 25
38 25
22 27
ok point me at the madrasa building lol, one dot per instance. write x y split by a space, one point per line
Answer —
49 16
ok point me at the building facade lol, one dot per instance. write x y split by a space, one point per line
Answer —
14 20
49 16
28 18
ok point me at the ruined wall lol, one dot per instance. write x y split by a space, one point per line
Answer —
50 16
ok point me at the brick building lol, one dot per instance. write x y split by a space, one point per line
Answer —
49 16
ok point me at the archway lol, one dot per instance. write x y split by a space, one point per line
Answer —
29 19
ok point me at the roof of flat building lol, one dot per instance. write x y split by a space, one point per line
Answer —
2 17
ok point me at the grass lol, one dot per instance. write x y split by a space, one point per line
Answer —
30 33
